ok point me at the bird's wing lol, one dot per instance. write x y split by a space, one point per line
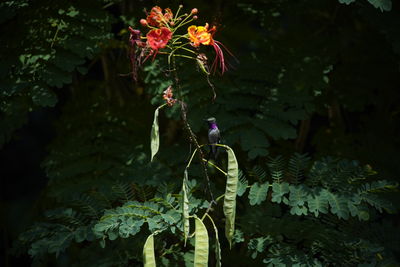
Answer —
213 136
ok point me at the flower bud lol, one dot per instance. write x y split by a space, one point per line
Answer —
180 6
194 11
143 22
172 23
194 17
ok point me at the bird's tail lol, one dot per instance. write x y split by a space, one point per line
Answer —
214 151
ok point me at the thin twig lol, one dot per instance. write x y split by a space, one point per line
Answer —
212 87
192 136
193 139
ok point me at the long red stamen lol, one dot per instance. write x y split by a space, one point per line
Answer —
219 59
227 50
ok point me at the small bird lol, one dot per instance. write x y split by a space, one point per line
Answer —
214 136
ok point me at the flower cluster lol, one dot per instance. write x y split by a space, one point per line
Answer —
163 37
168 96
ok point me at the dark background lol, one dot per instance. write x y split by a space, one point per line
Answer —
325 74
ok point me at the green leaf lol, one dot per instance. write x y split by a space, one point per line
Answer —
258 245
149 259
155 223
278 192
171 217
358 210
338 205
383 5
318 203
238 237
297 164
298 210
297 198
130 227
201 244
276 168
369 193
242 185
347 2
298 194
258 193
379 203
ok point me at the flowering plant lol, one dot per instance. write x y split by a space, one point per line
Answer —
162 37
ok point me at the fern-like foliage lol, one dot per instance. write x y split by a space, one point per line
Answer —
333 175
296 166
126 221
63 226
243 183
276 168
319 205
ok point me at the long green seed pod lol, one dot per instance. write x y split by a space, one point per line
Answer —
149 260
230 195
201 245
217 245
185 206
155 135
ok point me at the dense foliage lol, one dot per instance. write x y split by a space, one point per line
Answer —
310 109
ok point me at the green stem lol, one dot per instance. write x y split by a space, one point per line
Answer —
55 36
184 56
187 49
178 37
184 21
191 158
163 105
180 47
215 166
177 12
180 25
212 221
218 198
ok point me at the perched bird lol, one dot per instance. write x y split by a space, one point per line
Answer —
213 137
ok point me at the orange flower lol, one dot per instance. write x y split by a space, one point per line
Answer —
156 18
201 35
158 38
